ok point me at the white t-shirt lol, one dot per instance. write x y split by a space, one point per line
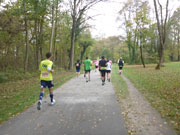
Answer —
108 66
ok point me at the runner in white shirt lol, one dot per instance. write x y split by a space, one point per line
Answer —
108 70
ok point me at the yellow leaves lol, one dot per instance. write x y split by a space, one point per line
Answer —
130 132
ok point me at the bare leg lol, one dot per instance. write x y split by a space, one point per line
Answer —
109 76
120 71
86 77
89 76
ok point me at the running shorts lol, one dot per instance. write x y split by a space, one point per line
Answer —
87 71
120 68
103 73
108 71
49 84
78 70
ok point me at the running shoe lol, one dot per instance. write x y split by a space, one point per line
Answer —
103 83
52 103
39 105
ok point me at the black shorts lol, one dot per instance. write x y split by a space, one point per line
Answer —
103 73
87 71
96 66
108 71
120 68
46 83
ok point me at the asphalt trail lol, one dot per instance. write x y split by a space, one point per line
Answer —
81 109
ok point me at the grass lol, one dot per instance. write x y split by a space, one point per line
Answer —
160 87
119 84
17 96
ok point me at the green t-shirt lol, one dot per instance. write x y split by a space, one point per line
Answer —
45 74
87 64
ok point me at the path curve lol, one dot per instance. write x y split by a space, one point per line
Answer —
81 109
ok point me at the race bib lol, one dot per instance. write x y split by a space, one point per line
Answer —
77 65
45 74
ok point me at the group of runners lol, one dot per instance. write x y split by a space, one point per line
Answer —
104 65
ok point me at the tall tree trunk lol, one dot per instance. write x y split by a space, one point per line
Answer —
36 34
72 49
40 40
37 45
178 39
26 39
52 28
55 32
161 25
73 35
141 52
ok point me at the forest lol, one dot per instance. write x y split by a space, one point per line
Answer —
30 28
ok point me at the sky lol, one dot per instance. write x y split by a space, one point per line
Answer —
105 24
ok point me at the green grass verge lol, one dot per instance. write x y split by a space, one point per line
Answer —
119 84
160 87
17 96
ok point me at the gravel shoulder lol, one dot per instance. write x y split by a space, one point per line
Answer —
140 117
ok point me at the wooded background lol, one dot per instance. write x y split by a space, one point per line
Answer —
31 28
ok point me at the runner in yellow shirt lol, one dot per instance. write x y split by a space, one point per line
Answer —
46 79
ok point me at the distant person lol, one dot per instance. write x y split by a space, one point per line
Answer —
103 66
46 79
78 67
108 70
87 68
120 64
100 69
96 65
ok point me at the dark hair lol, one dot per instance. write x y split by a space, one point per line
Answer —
77 60
107 60
48 55
87 57
102 57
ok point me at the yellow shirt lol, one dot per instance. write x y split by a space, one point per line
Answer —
45 74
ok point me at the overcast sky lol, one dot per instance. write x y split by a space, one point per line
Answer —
105 24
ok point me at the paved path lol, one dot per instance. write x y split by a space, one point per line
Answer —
81 109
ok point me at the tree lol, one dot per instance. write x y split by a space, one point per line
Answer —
85 41
26 37
142 22
78 11
128 11
162 26
53 25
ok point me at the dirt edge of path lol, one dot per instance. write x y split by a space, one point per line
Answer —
140 117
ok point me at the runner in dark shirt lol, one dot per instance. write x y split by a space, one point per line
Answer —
120 64
78 67
103 66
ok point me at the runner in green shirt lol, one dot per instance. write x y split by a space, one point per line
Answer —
87 68
46 79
